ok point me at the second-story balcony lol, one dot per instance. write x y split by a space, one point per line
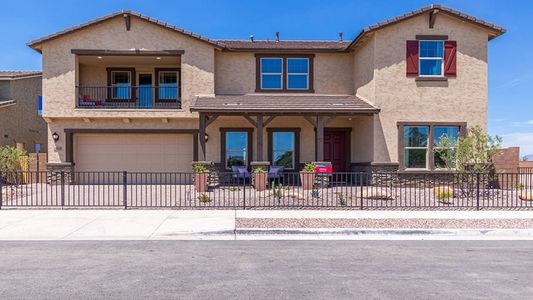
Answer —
129 97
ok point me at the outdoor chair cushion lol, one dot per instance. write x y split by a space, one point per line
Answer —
275 171
240 172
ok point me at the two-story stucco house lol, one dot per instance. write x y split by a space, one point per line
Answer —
128 92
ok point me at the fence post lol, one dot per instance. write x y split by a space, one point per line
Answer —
361 185
1 189
62 174
125 189
244 193
477 190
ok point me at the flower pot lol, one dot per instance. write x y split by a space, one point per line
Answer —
200 182
260 181
308 180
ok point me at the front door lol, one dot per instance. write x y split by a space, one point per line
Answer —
335 143
145 91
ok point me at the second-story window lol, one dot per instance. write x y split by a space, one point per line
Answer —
121 83
271 73
284 73
431 58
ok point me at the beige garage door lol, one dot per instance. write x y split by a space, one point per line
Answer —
133 152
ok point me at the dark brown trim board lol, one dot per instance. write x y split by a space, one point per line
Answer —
433 37
296 144
462 132
223 131
284 73
69 137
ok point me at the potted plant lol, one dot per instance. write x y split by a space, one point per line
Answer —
307 176
260 179
201 175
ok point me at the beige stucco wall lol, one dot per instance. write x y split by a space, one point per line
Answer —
236 73
461 99
60 66
20 122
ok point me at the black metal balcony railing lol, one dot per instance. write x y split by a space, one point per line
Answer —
136 97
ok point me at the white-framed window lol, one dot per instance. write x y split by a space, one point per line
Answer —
283 149
297 73
271 73
451 133
431 58
415 147
121 84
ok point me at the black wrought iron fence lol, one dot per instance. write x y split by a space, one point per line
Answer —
263 191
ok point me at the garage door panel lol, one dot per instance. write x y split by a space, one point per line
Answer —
133 153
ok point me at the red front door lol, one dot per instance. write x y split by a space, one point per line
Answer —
335 149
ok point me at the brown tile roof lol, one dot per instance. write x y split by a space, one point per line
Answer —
244 45
494 29
18 74
270 103
35 43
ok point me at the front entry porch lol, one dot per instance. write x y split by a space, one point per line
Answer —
279 135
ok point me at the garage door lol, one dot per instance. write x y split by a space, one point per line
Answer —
133 152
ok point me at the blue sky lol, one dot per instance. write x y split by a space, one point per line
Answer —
510 63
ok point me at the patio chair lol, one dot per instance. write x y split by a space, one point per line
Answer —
239 173
275 173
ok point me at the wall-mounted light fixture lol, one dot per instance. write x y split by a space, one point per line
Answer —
206 137
55 136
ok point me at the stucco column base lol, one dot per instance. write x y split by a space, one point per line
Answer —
259 164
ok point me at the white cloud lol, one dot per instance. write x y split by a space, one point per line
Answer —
530 122
524 140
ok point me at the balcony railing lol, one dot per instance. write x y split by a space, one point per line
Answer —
133 97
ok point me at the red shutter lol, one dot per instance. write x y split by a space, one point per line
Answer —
450 58
412 59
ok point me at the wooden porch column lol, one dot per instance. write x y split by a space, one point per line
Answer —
319 138
201 137
259 128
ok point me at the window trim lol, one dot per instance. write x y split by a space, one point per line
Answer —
249 146
430 158
296 132
284 77
156 83
420 59
133 81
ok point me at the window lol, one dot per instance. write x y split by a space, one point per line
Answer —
421 146
39 105
449 137
168 85
236 148
271 73
284 73
431 58
415 143
121 83
283 148
297 73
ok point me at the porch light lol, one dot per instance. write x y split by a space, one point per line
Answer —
158 58
55 136
99 57
206 137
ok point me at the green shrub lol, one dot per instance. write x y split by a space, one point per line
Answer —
198 168
309 167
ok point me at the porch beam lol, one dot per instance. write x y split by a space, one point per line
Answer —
252 121
210 120
320 138
310 120
201 137
259 128
269 120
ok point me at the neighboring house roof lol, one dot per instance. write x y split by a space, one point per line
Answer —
35 43
9 75
248 45
495 30
285 45
268 103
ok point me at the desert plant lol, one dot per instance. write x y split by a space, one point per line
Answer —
204 198
341 198
11 162
277 191
198 168
309 167
259 170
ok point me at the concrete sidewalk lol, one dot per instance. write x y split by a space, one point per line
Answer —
224 224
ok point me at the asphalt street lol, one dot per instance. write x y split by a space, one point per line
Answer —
266 269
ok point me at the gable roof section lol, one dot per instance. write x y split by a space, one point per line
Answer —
262 45
10 75
495 30
35 43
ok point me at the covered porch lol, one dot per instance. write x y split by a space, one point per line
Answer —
284 130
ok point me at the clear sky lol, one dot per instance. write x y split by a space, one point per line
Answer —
510 61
